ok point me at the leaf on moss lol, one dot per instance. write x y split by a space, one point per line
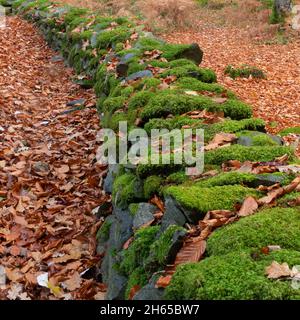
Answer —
277 271
249 206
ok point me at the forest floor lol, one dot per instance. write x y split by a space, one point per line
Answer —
275 99
48 177
233 36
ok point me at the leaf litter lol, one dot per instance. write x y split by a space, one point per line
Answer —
49 179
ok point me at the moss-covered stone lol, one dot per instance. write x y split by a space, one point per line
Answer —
140 99
244 72
103 232
241 153
202 200
152 186
137 253
126 189
287 131
236 276
177 178
191 70
193 84
137 278
113 104
164 249
276 226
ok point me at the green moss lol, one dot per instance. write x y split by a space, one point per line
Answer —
176 122
133 208
112 121
235 276
137 253
140 99
290 197
152 186
241 153
233 126
126 189
287 131
165 103
258 138
160 250
109 37
113 104
171 102
193 84
135 66
203 200
276 226
103 232
121 90
191 70
137 278
244 72
177 178
148 83
227 178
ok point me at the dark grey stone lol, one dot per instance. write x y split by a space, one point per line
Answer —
77 102
143 215
193 53
121 69
173 215
113 170
149 292
57 58
266 180
247 139
139 75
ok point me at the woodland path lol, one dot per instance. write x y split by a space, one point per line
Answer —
49 179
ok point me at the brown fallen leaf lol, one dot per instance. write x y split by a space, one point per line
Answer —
163 281
276 270
133 291
73 282
249 206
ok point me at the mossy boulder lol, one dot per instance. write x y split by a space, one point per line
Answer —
255 138
152 186
235 276
127 188
276 226
197 201
241 153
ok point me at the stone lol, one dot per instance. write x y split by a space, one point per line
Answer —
140 75
122 69
266 180
173 215
193 53
283 6
143 215
248 139
76 103
113 170
57 58
149 291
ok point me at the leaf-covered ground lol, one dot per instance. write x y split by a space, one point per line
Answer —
48 176
275 99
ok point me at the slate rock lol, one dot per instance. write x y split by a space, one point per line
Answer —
266 180
173 215
113 170
77 102
143 215
193 53
149 292
140 75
